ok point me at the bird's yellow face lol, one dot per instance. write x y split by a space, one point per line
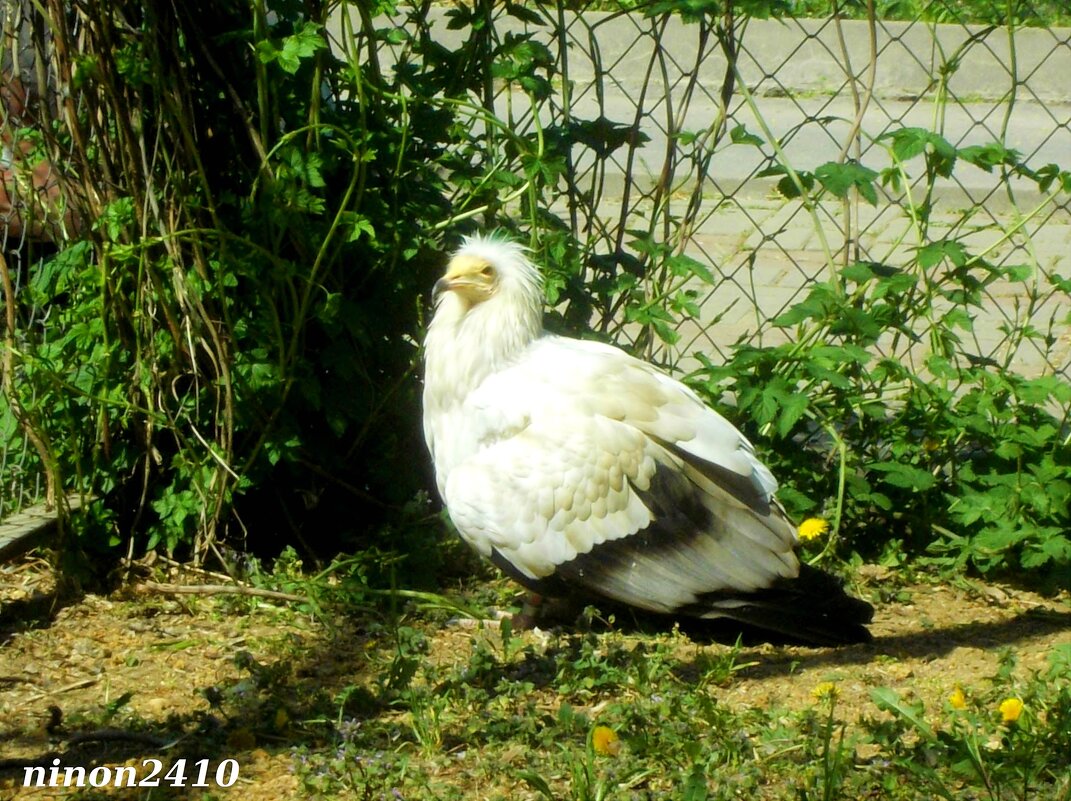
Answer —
473 279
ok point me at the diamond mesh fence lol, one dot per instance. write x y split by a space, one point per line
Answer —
683 131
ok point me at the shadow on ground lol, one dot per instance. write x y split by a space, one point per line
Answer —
276 702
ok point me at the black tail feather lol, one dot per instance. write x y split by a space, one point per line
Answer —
812 608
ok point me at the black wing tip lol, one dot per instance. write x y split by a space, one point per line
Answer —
776 626
812 608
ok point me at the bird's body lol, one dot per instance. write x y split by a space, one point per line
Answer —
576 467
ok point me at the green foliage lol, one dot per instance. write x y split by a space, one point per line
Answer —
934 445
1004 742
232 343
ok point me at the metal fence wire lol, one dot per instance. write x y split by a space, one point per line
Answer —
680 130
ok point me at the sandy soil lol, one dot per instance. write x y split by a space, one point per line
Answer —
159 660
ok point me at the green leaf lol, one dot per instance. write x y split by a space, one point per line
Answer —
684 265
894 283
908 142
1008 450
989 156
1048 175
357 225
935 252
660 320
1033 558
1043 389
739 135
603 136
689 10
766 408
914 713
1000 537
696 786
817 305
685 302
116 217
831 377
793 407
859 272
904 475
943 157
303 44
892 179
787 187
53 276
396 35
1017 272
537 783
1058 548
841 178
773 169
957 317
518 11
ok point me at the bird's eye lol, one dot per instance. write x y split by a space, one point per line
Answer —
488 271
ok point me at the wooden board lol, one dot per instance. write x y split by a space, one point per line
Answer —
30 527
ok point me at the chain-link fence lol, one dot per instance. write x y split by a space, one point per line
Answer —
682 131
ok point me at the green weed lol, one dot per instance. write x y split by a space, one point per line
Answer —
1008 741
500 728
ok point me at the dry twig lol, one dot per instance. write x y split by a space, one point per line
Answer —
221 589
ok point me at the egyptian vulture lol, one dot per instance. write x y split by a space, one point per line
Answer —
578 469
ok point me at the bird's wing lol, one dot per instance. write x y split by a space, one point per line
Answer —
593 469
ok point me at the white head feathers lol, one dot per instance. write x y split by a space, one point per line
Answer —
517 274
488 308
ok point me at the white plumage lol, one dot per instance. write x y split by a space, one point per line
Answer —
578 468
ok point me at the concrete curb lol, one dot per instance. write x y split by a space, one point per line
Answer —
32 526
806 54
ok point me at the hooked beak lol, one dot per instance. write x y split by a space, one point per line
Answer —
442 285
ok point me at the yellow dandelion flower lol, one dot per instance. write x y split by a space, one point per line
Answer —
812 528
958 699
1010 710
604 741
826 689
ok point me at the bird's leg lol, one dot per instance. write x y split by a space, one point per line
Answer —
526 618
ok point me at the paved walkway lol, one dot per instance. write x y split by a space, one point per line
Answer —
783 272
796 70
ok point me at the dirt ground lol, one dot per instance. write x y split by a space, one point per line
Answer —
73 677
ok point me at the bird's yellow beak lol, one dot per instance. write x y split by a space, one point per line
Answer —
470 277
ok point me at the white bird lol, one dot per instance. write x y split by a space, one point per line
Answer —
579 469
